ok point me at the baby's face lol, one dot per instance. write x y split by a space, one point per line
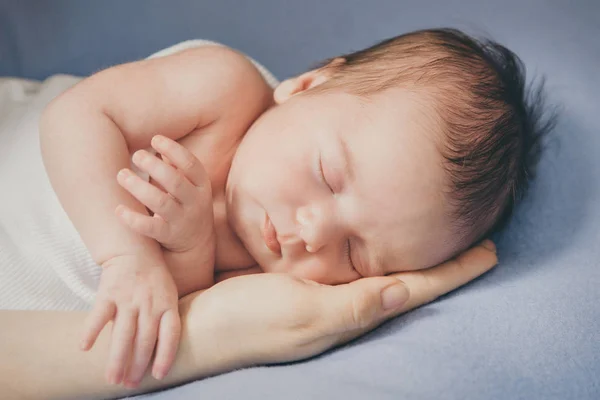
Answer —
330 187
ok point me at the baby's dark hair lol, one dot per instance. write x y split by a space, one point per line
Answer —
492 124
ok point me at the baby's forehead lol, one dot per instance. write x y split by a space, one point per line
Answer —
395 138
402 111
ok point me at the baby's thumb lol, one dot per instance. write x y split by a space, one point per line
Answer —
363 304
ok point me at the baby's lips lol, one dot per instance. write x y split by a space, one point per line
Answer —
270 236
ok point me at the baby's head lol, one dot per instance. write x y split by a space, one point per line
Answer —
405 154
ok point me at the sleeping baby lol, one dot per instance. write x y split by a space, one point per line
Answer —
393 158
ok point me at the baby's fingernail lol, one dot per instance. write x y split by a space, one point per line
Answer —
138 156
83 345
157 140
158 375
488 244
394 296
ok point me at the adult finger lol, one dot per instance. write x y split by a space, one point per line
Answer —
353 309
427 285
359 304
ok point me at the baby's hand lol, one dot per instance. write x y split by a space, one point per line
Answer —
138 294
182 210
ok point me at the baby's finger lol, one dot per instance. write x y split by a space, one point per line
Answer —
95 321
166 160
171 179
149 195
155 227
183 159
120 345
142 349
168 340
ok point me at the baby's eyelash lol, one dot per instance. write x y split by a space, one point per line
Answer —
348 253
322 174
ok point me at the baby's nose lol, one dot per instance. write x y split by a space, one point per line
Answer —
315 227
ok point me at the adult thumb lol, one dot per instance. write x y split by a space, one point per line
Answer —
363 304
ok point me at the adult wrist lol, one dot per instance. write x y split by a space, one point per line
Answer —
208 345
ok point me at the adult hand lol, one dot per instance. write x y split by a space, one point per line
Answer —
270 318
242 321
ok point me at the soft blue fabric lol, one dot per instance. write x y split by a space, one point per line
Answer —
530 329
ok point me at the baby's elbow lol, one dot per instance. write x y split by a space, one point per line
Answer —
56 123
53 112
56 110
63 111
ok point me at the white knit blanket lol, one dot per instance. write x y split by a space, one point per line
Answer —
43 262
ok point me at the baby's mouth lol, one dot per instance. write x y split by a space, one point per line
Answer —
270 236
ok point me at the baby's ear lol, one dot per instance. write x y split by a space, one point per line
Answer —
307 80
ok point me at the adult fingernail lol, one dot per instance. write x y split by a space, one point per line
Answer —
488 244
394 296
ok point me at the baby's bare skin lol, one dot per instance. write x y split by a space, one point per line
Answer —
179 198
328 187
199 97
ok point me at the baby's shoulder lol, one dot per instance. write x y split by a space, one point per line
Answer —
236 83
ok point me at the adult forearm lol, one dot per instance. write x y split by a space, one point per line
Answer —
40 358
83 149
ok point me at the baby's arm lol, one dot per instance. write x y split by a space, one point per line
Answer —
88 133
